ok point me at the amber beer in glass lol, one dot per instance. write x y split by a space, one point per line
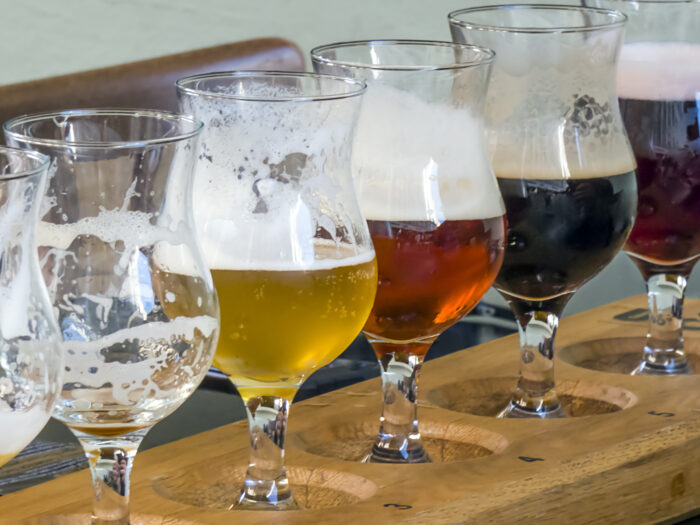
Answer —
429 277
289 250
431 202
658 84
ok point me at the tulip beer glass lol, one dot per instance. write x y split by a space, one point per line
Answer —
658 83
431 202
30 357
563 163
289 251
135 302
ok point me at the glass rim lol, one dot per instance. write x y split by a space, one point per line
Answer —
18 122
617 19
658 2
488 57
181 85
41 160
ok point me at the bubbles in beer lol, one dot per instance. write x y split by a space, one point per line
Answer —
662 71
420 161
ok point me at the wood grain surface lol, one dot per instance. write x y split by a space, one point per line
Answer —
631 454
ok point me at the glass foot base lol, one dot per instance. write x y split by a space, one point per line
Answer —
266 495
646 368
381 454
515 411
251 504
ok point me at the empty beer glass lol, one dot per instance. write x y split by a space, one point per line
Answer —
432 204
282 232
134 299
563 163
658 83
30 357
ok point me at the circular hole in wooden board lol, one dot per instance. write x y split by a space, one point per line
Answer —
619 355
444 442
487 397
217 487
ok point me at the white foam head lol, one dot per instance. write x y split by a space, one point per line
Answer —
420 161
270 174
659 71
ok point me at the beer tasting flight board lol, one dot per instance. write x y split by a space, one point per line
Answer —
629 453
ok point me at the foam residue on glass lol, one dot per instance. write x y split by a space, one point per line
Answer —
263 169
134 347
530 89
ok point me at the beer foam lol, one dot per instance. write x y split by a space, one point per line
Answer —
233 263
538 167
20 427
85 361
420 161
269 176
668 71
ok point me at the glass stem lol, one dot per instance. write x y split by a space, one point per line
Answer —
398 440
266 484
663 351
535 389
111 460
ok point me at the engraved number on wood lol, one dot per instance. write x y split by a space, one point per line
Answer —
398 506
662 414
528 459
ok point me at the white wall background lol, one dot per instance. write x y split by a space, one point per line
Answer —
50 37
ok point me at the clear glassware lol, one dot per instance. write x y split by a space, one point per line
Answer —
563 163
430 197
282 232
658 83
30 358
134 299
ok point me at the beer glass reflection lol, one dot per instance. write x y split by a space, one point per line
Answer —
658 83
289 251
563 163
30 357
135 302
432 205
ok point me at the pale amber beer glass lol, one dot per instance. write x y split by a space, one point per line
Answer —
290 253
329 308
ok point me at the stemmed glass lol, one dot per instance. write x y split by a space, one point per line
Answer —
658 84
282 232
134 299
563 163
30 357
433 207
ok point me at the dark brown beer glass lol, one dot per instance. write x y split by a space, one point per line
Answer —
658 84
563 164
431 202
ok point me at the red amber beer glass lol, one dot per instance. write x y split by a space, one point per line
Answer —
658 83
431 202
